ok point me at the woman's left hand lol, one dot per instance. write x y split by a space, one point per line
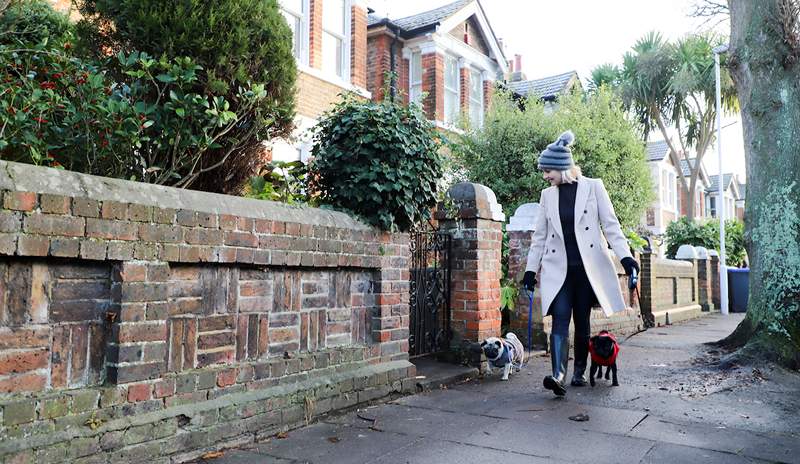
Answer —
629 264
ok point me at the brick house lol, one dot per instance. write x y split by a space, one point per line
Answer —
446 59
330 45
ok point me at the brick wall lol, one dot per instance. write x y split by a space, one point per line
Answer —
315 96
138 300
464 91
468 32
315 33
358 46
379 62
433 86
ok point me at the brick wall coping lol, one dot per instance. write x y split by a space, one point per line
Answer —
19 177
672 262
524 217
474 201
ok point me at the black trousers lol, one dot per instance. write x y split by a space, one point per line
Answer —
575 299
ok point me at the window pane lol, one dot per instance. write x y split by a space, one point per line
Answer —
332 54
416 67
450 106
450 72
415 93
295 24
296 6
333 16
475 86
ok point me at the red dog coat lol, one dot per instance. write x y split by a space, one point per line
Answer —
604 361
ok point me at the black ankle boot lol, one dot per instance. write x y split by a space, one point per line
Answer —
581 353
559 357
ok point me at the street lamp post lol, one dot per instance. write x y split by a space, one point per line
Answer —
723 271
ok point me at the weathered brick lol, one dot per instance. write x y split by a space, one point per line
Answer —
189 253
84 401
85 207
33 245
164 215
52 224
134 372
160 233
145 291
227 222
114 210
28 382
145 251
112 396
64 247
120 251
111 229
187 218
10 221
226 377
164 388
18 361
140 213
19 201
201 236
215 340
241 239
206 380
154 352
139 392
8 244
50 409
131 272
185 383
93 249
215 357
19 412
131 332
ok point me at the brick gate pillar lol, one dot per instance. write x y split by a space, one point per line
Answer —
704 279
475 259
713 274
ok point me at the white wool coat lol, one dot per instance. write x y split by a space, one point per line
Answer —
548 256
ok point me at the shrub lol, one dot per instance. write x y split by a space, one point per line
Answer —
32 22
238 44
685 231
280 181
503 155
380 161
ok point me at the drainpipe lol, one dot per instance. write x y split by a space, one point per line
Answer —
392 64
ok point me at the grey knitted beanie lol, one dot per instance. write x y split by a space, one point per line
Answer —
557 155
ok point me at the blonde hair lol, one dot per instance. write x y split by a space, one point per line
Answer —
570 175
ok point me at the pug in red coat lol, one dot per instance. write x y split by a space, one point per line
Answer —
603 349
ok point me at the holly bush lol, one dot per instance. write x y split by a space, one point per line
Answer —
378 160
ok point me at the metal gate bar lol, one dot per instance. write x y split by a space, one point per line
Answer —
430 331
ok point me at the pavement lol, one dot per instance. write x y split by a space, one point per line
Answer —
675 404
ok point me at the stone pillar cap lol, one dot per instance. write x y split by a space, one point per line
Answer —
524 217
702 252
474 201
686 252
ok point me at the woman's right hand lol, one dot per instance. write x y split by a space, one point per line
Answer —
529 280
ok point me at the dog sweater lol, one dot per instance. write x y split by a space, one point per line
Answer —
505 357
604 361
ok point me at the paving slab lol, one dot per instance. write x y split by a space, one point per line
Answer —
431 451
667 453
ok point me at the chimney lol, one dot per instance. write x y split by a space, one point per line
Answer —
517 62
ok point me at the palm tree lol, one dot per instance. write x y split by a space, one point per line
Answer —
672 85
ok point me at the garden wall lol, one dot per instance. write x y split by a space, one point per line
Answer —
144 322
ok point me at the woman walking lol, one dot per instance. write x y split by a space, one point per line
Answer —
569 253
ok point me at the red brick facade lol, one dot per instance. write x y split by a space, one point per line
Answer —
315 34
358 46
379 63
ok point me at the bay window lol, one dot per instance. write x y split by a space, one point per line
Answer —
451 90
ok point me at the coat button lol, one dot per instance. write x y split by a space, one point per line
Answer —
587 228
552 235
591 246
584 211
554 251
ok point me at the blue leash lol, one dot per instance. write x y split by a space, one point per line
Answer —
530 321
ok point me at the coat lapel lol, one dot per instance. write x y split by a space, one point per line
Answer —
552 211
581 196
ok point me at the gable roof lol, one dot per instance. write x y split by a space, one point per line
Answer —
657 151
546 88
714 182
687 172
414 24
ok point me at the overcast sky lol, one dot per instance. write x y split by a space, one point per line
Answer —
556 36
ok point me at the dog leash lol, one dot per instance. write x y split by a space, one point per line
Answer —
530 321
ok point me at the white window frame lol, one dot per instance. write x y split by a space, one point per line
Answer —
345 63
453 91
415 86
300 42
476 75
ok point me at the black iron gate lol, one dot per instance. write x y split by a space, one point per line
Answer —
430 291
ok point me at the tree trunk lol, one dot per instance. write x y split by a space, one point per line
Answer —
764 53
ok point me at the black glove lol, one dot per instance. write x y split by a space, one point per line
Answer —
629 264
529 280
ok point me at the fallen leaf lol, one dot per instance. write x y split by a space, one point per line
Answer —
212 455
334 439
282 435
579 417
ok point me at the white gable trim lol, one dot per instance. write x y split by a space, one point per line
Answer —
462 15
